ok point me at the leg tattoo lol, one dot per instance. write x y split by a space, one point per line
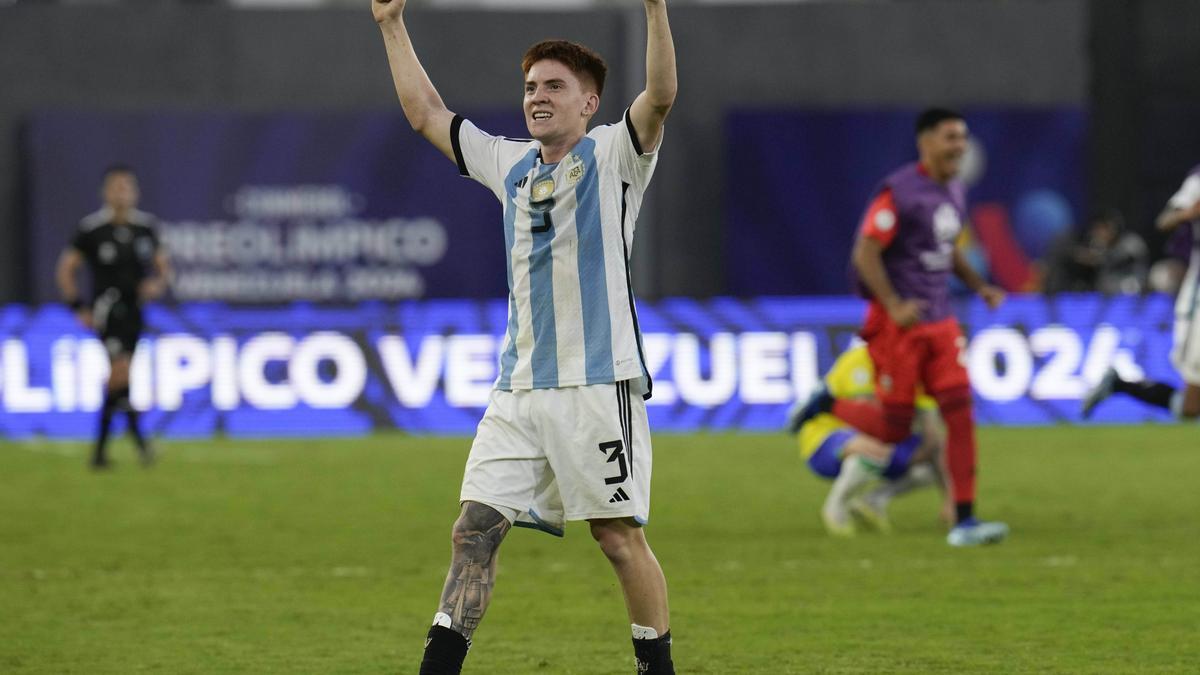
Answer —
477 536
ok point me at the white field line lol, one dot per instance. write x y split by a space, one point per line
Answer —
174 453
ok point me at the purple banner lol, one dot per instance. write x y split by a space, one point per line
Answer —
798 182
264 208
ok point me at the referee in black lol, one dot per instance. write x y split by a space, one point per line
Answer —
128 267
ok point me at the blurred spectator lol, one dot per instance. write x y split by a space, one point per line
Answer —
1105 258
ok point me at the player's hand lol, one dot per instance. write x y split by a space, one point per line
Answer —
84 316
151 289
906 313
948 514
386 11
993 295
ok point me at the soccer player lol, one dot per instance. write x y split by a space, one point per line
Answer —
851 459
565 435
903 256
128 267
1183 208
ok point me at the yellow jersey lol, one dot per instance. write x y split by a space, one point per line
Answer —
852 376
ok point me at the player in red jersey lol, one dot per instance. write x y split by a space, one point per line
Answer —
903 258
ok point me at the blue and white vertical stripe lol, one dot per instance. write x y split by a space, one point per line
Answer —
571 317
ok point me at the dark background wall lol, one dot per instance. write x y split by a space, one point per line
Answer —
1133 63
1145 100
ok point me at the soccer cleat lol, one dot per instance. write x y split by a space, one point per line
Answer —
872 513
148 454
838 522
802 411
973 532
1103 389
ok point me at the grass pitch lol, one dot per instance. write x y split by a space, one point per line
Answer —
328 557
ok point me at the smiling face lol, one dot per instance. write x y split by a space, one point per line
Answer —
558 103
942 148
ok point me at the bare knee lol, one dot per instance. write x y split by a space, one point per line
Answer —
869 447
1190 408
619 539
118 377
478 532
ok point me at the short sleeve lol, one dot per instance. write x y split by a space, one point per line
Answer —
1188 195
620 143
482 156
880 221
79 241
152 235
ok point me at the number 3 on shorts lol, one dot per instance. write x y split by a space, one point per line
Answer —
617 455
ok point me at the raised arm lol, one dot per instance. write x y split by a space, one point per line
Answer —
421 102
650 108
1173 217
1184 205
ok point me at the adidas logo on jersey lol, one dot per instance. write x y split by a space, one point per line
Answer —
619 496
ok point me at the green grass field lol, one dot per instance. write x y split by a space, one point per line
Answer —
328 557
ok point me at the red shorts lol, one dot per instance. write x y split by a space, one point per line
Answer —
932 355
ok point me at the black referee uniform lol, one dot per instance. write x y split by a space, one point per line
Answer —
119 257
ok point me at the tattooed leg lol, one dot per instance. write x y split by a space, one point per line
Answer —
476 538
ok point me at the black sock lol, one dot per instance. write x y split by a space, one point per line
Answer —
135 428
654 655
964 511
445 650
99 453
1154 393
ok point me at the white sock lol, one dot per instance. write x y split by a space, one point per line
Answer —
918 476
644 632
1177 404
856 472
442 619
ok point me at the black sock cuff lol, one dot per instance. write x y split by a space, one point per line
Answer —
964 511
654 655
445 651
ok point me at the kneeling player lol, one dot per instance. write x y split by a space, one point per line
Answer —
834 450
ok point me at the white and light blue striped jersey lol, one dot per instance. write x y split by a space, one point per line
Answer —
568 233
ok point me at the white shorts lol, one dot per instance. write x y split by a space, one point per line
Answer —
1185 352
545 456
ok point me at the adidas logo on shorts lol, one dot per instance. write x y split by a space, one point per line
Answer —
619 496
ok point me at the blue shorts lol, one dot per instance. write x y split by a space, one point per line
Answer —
827 460
901 456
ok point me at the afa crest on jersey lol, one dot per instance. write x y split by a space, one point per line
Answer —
575 169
